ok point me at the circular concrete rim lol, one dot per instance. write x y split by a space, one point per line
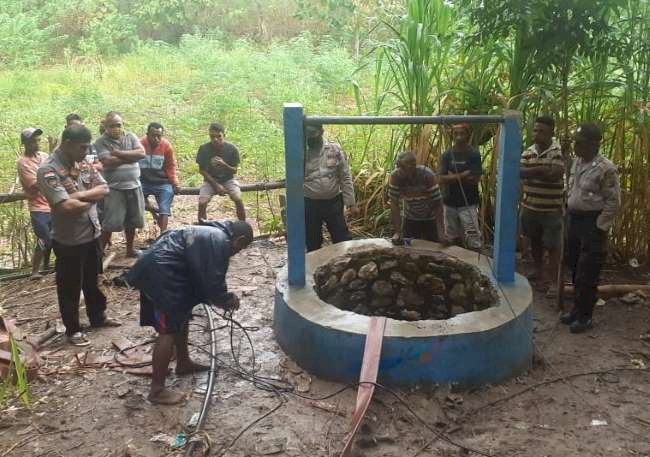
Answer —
514 299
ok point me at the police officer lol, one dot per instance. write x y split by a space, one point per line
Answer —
328 189
72 187
594 199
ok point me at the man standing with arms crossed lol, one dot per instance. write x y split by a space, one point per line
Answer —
542 176
72 188
594 200
119 152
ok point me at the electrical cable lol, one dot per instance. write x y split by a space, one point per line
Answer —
280 388
530 334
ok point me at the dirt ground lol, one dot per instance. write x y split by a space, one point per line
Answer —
80 410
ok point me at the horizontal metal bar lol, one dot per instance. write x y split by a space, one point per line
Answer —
396 120
14 197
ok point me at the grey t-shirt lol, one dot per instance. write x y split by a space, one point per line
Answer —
69 230
125 176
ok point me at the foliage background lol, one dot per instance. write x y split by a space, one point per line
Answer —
189 62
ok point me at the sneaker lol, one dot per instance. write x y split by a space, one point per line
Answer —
568 318
78 339
579 326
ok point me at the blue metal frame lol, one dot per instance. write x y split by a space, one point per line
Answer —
294 154
505 224
507 180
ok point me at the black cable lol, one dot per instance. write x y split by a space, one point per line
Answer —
268 384
530 334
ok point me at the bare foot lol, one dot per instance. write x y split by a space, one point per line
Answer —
165 397
190 367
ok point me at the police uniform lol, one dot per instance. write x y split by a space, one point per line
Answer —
594 198
74 240
328 188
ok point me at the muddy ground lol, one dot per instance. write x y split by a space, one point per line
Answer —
78 410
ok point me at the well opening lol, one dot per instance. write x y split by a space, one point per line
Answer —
403 284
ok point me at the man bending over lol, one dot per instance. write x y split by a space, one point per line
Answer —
181 269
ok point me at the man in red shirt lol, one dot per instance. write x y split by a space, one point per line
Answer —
158 172
39 209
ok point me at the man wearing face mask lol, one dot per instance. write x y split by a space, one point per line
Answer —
328 188
119 152
73 187
594 200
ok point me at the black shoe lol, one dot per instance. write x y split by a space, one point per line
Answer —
568 318
579 326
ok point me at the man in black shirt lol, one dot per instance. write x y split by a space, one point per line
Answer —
460 171
218 161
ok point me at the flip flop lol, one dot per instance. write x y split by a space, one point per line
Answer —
78 339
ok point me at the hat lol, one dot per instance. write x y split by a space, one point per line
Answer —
29 133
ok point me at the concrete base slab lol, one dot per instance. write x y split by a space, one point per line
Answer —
475 348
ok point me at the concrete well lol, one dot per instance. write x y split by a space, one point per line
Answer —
469 349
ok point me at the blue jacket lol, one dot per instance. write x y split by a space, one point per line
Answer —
185 267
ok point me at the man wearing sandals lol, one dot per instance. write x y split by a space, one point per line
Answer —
183 268
72 187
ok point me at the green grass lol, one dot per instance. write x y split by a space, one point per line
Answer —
185 88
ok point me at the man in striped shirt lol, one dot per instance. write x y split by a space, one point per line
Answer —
542 176
417 187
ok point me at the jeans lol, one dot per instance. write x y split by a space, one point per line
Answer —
164 195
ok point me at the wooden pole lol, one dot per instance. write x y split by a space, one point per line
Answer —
18 196
614 290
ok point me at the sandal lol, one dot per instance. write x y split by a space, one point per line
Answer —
78 339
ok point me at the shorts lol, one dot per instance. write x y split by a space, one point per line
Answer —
42 226
164 323
420 230
542 226
164 195
206 192
123 209
462 224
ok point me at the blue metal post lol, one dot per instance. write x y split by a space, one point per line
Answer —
294 155
505 227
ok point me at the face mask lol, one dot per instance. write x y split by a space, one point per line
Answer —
115 132
314 142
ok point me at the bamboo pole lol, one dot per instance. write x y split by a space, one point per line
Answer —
18 196
614 290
